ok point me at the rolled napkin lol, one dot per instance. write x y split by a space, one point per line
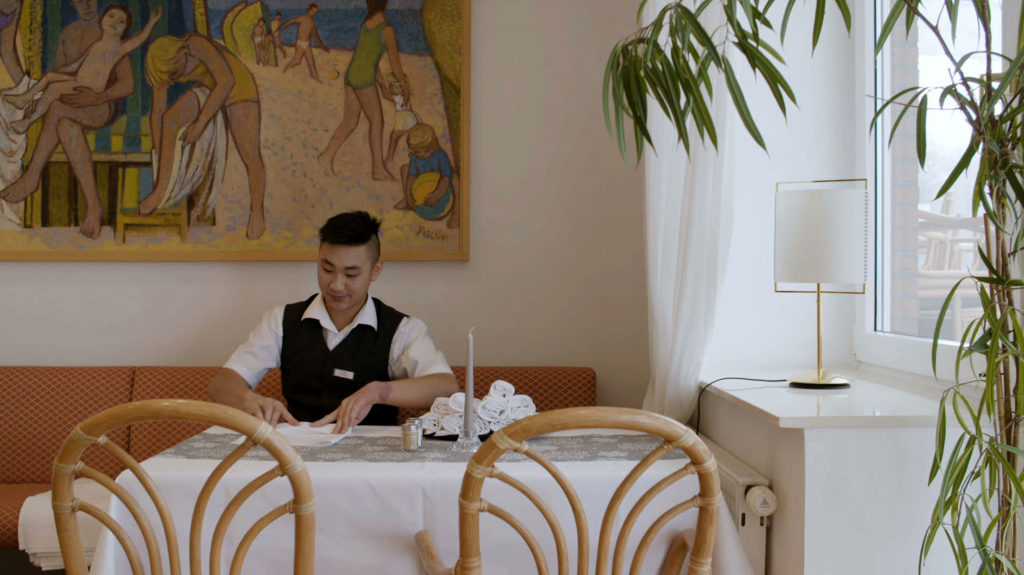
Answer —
500 407
442 407
457 402
498 424
492 409
521 406
451 424
431 422
501 389
481 427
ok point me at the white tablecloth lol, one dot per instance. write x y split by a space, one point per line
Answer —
369 511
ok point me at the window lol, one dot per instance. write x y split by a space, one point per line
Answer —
924 246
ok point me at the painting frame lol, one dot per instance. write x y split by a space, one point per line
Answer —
454 137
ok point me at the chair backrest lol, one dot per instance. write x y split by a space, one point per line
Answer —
609 553
68 465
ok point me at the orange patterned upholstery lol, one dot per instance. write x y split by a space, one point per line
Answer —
43 404
550 387
152 437
39 406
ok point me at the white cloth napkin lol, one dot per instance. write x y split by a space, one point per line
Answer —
431 422
451 424
501 389
304 435
37 534
500 423
493 409
457 402
442 407
521 406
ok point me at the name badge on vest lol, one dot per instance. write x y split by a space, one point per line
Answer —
344 374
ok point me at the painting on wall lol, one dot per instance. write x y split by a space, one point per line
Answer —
231 129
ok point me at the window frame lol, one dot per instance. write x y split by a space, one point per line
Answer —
902 353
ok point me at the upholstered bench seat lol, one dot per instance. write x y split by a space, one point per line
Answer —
11 497
39 406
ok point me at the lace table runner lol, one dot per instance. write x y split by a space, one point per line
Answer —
389 449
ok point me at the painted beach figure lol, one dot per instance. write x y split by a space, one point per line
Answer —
259 42
92 70
223 99
405 116
305 34
67 120
275 37
362 98
427 179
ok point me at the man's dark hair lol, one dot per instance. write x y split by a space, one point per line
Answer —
353 229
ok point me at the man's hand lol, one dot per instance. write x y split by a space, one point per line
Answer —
354 408
230 388
83 97
268 409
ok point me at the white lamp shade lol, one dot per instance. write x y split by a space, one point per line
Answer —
821 236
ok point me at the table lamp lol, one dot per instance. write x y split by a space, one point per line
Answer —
821 238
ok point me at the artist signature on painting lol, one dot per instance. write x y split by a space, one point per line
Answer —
432 234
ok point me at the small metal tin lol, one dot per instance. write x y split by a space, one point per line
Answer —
410 437
419 429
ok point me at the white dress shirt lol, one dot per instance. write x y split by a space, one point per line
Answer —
412 351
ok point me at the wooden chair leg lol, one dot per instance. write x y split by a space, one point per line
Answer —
677 552
431 561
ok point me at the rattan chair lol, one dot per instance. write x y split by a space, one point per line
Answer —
610 552
68 466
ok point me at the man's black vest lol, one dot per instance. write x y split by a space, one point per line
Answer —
315 379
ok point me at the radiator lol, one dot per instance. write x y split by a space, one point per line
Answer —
750 501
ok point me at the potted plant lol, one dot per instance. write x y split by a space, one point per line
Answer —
672 60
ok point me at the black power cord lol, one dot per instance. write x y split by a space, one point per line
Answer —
696 426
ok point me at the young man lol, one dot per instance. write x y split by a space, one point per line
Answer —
345 357
275 36
304 37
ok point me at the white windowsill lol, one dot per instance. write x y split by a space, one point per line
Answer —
872 401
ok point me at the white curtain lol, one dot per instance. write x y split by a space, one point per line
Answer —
688 225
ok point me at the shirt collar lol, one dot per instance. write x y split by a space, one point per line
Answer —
318 311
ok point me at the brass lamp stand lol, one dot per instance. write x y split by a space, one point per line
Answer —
819 378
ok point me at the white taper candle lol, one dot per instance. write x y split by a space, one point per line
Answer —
467 421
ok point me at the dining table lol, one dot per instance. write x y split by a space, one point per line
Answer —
373 496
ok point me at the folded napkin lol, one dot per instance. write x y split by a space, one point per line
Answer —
37 533
304 435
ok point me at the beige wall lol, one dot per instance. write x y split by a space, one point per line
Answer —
556 276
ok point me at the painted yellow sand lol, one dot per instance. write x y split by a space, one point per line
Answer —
298 117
